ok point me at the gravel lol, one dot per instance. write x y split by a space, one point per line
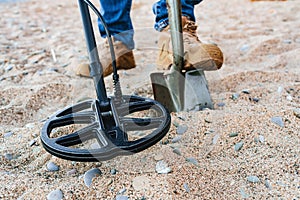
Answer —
55 195
52 167
238 146
90 174
278 121
162 167
253 179
181 129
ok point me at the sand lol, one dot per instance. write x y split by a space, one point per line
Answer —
41 43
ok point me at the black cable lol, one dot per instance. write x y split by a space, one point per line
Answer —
118 92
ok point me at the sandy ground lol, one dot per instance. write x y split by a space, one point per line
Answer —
42 42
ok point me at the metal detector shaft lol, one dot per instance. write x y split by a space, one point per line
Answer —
95 65
173 78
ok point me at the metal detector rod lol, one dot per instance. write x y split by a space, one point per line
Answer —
95 65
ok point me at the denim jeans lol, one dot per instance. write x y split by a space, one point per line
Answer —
116 14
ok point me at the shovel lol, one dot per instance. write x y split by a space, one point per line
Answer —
175 89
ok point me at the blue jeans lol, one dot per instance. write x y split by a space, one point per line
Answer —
116 14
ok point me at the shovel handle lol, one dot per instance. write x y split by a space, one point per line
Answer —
174 12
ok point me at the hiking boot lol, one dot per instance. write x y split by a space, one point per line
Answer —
196 54
124 59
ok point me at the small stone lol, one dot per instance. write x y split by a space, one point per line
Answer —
122 191
8 134
90 174
245 48
8 156
297 112
255 99
30 125
192 160
279 90
141 183
32 142
175 123
287 41
289 98
268 184
162 167
113 171
186 187
221 104
215 139
278 121
71 172
261 138
176 139
253 179
55 195
235 96
234 134
208 120
244 194
181 129
52 167
8 68
246 91
238 146
121 197
177 151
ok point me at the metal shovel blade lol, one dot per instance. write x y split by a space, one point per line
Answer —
196 92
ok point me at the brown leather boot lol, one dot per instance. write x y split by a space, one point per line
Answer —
124 59
196 54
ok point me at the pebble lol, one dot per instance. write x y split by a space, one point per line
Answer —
235 96
52 167
122 191
32 142
255 99
181 129
177 151
289 98
221 104
246 91
192 160
238 146
253 179
8 68
55 195
141 183
268 184
278 120
162 167
261 138
8 156
186 187
215 139
244 194
234 134
90 174
297 112
279 90
176 139
71 172
245 48
113 171
8 134
121 197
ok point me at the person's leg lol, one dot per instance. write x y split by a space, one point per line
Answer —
116 14
196 53
161 12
